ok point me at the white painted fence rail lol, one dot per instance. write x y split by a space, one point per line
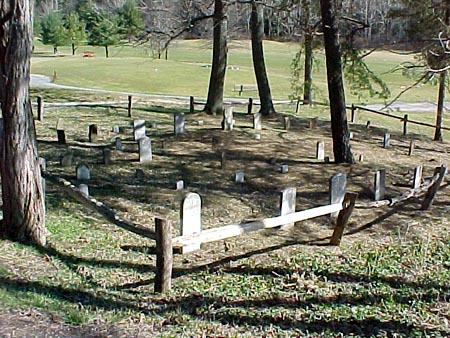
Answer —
233 230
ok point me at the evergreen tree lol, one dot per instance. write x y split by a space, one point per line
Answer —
53 32
129 19
104 32
74 30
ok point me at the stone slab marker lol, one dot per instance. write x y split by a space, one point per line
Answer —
179 185
178 123
386 140
337 188
320 151
287 204
379 184
43 166
227 122
116 129
411 148
284 168
240 177
190 218
313 123
83 172
118 143
106 156
417 178
66 159
61 136
145 150
138 129
257 125
84 188
93 133
287 123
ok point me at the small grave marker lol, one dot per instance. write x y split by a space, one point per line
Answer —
287 204
191 219
106 156
411 148
250 105
178 123
258 136
417 177
116 129
287 123
118 143
284 168
60 124
313 122
84 188
145 150
83 172
257 125
67 159
368 125
386 140
320 151
223 160
139 173
139 129
350 135
361 158
337 187
228 122
179 185
240 177
379 184
93 133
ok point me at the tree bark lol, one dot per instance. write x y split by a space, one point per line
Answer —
214 102
257 31
106 51
339 128
307 85
23 205
440 106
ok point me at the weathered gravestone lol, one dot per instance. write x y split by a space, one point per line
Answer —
284 168
116 129
138 129
257 136
223 160
118 143
179 185
84 188
313 122
190 218
411 148
417 177
287 204
83 172
145 150
228 121
386 140
320 151
66 159
106 156
239 177
287 123
93 133
379 184
257 125
178 123
337 187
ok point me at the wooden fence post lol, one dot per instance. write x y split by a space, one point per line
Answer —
164 255
250 105
405 125
40 109
431 193
353 114
343 217
130 100
191 104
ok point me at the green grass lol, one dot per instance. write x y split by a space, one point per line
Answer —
186 72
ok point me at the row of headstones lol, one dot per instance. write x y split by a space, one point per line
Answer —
379 182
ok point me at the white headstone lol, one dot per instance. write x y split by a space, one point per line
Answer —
257 125
284 168
417 179
84 189
257 136
180 185
190 218
320 151
83 172
139 129
178 123
228 121
240 177
337 187
386 140
287 204
116 129
379 184
145 150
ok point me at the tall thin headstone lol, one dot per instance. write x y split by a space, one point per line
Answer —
145 150
320 151
386 140
130 105
106 156
337 187
411 148
250 105
84 188
227 122
190 218
139 129
67 158
118 143
287 123
257 121
313 122
178 123
40 109
417 177
379 184
223 160
287 204
61 136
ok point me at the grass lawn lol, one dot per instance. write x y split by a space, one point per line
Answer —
186 72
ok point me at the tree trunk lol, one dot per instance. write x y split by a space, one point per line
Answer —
214 102
23 207
339 128
73 49
440 106
257 30
307 85
106 51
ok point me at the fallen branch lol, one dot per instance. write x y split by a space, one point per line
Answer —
403 197
98 206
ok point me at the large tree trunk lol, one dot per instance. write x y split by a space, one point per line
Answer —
308 45
23 207
440 106
257 29
214 102
339 128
